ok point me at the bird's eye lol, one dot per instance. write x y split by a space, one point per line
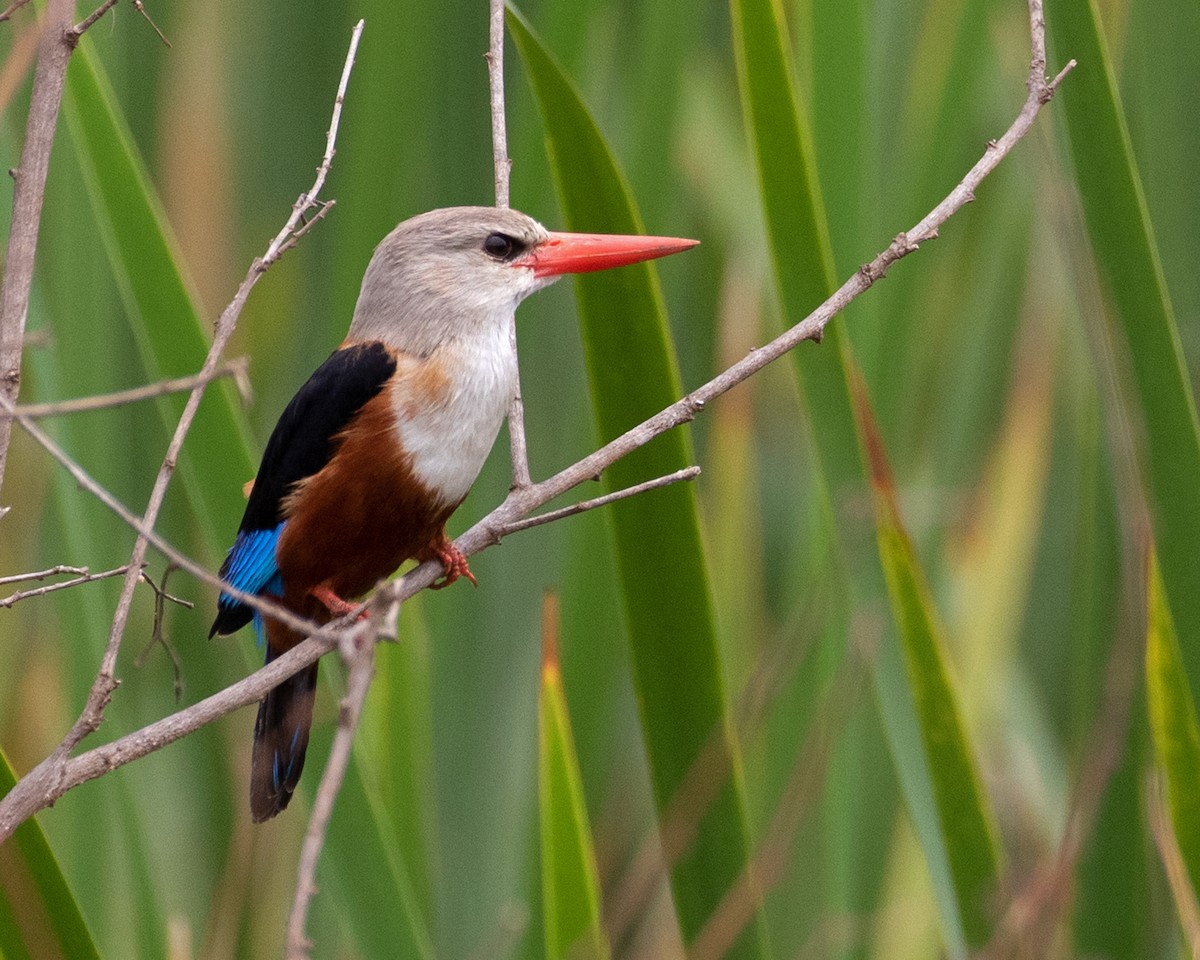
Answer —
500 246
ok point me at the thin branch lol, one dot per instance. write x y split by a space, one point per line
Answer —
307 201
231 368
43 574
141 8
41 781
517 446
360 658
181 560
687 473
521 501
495 62
106 680
158 636
11 9
82 27
29 191
84 577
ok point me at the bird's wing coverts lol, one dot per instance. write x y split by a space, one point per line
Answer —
303 441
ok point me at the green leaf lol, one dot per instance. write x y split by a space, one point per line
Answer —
965 822
30 870
778 130
383 915
668 607
162 313
1127 260
1173 723
570 885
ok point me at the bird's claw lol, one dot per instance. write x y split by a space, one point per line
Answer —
336 606
453 561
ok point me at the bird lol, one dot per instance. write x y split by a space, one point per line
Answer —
382 443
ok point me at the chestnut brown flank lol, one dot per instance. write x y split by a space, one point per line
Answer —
355 521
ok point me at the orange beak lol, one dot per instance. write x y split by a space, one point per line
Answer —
563 253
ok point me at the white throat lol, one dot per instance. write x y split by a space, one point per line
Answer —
450 407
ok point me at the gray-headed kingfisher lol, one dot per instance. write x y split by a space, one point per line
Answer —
382 443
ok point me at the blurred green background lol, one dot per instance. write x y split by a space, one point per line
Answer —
999 365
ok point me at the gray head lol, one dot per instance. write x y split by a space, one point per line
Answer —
441 275
458 272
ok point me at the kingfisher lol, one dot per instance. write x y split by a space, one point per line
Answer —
383 442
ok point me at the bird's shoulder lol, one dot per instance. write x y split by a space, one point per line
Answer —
304 437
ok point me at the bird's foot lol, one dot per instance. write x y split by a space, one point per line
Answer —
453 561
336 606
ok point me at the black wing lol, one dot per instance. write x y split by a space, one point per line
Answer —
300 445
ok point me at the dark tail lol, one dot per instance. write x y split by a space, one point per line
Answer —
280 739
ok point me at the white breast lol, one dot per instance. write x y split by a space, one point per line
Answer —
449 411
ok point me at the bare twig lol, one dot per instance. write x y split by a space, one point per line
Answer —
495 62
42 780
360 659
141 8
106 681
81 28
83 577
517 446
231 368
157 636
687 473
12 8
181 560
29 190
43 574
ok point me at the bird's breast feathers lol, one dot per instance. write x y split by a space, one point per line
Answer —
449 408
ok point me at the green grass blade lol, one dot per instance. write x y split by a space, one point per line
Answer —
31 855
800 247
965 822
664 579
570 885
1126 254
383 915
1173 723
171 336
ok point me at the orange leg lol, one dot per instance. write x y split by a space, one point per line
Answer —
453 562
336 606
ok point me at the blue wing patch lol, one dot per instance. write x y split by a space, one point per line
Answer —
250 566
